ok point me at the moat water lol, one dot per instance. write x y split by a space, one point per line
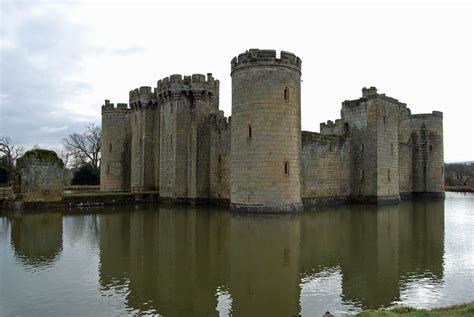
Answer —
206 261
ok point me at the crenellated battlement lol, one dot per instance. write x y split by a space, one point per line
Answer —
219 121
109 107
257 57
437 115
183 84
142 96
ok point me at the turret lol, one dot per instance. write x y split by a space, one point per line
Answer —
266 132
115 154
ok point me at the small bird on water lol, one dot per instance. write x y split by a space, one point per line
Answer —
328 314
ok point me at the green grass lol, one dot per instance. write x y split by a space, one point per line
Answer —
456 310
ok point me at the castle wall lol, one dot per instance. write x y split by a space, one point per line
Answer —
266 132
220 159
115 153
325 168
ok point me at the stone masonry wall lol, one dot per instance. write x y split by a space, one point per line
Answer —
266 131
427 152
325 168
220 158
115 154
40 176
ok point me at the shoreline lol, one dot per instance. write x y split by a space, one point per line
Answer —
466 309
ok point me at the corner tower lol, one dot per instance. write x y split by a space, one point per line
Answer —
115 161
266 132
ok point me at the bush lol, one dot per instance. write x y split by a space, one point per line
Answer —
86 175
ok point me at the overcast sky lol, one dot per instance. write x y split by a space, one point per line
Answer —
60 59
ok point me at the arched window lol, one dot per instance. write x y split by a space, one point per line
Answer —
286 94
287 168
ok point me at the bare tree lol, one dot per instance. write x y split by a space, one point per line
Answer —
11 153
460 173
84 148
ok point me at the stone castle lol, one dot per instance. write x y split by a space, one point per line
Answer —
175 140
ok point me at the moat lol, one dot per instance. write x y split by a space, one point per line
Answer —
207 261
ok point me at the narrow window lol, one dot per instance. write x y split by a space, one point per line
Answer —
388 175
384 119
286 94
219 159
362 148
110 147
249 131
391 149
431 147
442 169
171 140
330 147
287 168
346 127
362 175
108 169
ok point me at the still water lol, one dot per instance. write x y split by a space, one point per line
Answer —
206 261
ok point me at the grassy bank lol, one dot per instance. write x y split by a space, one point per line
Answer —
456 310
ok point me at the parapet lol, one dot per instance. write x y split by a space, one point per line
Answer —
109 107
257 57
142 96
369 92
194 83
438 115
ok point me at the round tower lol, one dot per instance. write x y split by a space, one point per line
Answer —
266 132
115 148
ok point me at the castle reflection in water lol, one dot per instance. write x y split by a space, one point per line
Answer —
179 261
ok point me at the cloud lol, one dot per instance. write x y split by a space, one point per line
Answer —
44 51
50 130
133 50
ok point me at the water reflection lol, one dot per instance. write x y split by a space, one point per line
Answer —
176 261
37 239
188 261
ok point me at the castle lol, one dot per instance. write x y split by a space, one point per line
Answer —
175 140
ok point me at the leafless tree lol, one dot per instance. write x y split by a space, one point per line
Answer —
11 152
460 173
84 148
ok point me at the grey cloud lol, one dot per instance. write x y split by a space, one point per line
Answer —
33 80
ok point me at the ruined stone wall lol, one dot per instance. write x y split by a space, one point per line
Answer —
325 168
115 153
427 151
220 158
40 176
266 131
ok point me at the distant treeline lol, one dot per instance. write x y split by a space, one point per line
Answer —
459 174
